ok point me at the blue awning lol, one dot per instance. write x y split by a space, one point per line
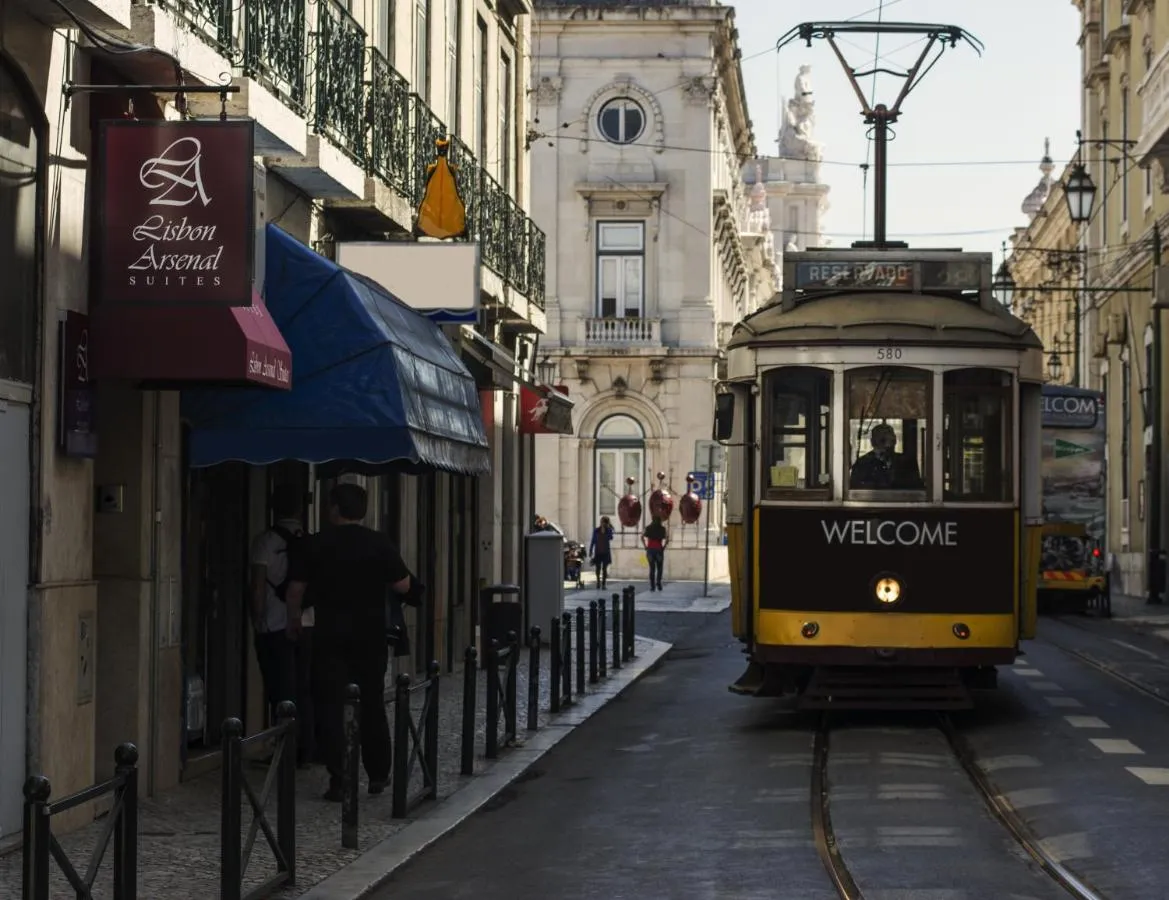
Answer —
373 381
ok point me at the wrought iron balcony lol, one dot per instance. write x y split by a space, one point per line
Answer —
390 112
338 66
274 47
536 265
211 20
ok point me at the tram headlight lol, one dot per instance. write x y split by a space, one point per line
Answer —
888 590
961 631
810 630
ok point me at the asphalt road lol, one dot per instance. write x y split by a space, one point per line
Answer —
680 789
668 792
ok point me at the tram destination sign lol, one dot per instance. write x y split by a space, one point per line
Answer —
888 275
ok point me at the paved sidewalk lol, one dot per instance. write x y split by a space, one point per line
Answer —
179 850
675 596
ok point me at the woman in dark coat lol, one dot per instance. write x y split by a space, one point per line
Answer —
600 550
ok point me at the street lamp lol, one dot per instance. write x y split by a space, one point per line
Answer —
1054 365
1080 193
1003 285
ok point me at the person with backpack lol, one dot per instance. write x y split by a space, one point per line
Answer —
285 664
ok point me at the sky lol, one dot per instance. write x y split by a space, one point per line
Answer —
984 117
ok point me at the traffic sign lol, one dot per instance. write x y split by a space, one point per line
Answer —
703 456
704 490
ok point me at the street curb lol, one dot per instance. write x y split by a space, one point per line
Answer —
374 867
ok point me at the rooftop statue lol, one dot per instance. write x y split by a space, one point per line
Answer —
796 138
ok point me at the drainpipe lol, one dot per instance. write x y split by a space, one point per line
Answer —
155 593
1156 556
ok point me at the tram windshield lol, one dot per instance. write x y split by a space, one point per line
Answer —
888 430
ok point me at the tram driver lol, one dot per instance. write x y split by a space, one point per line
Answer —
883 469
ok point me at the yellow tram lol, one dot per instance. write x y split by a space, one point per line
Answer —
882 418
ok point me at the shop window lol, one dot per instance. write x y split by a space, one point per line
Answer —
19 199
798 416
888 433
976 448
620 454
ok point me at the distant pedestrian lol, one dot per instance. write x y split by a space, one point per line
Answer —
285 665
350 571
654 538
600 550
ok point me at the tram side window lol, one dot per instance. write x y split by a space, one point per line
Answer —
976 450
798 457
888 431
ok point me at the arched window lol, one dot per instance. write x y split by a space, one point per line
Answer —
19 196
620 454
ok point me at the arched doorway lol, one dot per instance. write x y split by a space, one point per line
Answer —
21 173
619 454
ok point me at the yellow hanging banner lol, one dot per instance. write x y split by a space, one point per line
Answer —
442 213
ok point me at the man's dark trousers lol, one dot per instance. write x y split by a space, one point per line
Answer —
365 666
275 655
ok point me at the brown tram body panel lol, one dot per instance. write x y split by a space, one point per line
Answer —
948 560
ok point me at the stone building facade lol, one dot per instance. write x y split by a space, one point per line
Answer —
656 248
122 570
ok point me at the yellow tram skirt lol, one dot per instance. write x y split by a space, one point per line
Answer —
847 629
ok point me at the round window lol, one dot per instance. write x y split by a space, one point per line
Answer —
621 121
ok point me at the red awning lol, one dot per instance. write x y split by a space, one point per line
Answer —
211 344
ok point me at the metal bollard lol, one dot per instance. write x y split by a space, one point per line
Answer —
534 678
126 835
580 649
555 677
630 622
350 763
230 817
492 750
403 752
38 837
618 612
602 639
593 676
566 656
511 712
286 786
470 684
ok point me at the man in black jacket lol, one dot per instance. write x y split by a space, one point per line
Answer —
351 571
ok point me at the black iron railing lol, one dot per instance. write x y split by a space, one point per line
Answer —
338 65
427 130
415 742
515 248
388 109
211 20
495 220
281 775
122 824
469 178
275 47
536 270
502 693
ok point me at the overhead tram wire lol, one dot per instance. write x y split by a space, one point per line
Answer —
869 143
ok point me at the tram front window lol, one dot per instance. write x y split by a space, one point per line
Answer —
888 431
797 455
977 436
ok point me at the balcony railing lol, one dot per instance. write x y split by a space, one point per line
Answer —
354 98
614 332
339 77
389 113
274 48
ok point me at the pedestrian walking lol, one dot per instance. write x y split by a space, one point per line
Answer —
600 550
285 664
351 572
654 539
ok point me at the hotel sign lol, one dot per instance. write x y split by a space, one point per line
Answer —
175 210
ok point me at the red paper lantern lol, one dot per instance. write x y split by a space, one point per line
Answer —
629 507
661 501
691 506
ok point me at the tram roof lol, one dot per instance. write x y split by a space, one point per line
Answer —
904 296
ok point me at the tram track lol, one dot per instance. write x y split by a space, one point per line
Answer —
828 847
